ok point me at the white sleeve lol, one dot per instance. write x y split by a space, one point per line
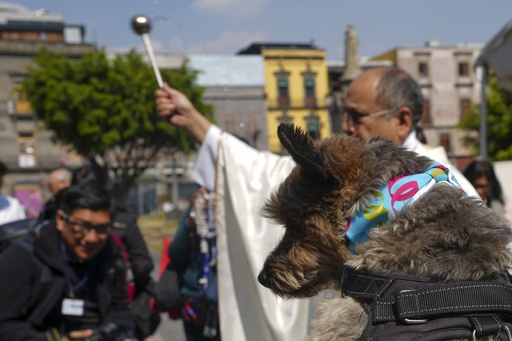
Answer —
204 172
20 211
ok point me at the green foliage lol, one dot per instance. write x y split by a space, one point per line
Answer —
499 124
104 108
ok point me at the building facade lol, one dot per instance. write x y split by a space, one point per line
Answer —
25 147
296 86
450 85
235 85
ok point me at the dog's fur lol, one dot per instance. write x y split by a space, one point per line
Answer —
443 235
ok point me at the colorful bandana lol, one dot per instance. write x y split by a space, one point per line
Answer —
391 198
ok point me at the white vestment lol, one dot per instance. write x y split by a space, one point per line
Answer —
245 178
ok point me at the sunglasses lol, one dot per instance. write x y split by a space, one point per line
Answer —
84 228
354 117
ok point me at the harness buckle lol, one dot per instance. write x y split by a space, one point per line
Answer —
509 335
416 321
413 321
507 330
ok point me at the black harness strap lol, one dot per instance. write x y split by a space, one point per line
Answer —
407 300
488 325
449 299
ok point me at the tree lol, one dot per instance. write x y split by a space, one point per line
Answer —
499 124
104 109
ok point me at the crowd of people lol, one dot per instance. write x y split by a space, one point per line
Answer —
84 266
87 263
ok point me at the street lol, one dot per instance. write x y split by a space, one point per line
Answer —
169 330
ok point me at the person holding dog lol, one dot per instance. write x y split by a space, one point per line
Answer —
384 102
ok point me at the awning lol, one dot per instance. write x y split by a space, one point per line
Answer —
497 54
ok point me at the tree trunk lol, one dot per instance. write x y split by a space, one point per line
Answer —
120 191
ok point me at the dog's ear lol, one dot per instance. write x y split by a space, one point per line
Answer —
302 149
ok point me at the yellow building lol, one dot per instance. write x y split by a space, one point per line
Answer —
296 85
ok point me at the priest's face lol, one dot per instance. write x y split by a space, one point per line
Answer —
364 117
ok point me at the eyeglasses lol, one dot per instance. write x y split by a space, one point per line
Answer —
354 117
84 228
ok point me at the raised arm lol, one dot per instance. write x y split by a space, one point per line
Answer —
175 108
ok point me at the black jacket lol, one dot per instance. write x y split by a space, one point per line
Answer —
126 227
33 282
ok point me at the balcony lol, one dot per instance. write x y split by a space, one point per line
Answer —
292 103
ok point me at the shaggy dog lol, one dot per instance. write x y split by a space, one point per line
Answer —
443 236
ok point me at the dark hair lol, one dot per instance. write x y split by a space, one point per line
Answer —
90 174
477 169
420 135
90 196
396 88
3 168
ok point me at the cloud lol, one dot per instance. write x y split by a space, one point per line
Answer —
228 42
231 7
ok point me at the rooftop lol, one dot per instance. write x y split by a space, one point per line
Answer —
228 70
13 13
255 48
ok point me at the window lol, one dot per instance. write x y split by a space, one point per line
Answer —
463 69
422 69
313 126
465 107
21 104
285 118
309 91
425 117
444 140
26 149
283 88
283 92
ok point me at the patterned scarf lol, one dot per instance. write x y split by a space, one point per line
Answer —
391 198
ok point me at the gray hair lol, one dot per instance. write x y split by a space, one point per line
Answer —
61 174
396 89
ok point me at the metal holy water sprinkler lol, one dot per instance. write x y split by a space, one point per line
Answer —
141 25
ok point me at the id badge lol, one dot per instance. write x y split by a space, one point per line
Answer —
72 307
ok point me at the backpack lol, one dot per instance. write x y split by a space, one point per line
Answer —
145 318
15 230
130 280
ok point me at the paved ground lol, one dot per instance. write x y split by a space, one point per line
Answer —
169 330
154 230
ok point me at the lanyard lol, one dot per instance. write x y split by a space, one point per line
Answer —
72 288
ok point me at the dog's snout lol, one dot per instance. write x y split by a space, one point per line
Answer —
263 278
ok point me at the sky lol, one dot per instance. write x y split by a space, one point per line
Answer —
227 26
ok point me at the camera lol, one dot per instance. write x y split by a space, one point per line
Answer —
104 332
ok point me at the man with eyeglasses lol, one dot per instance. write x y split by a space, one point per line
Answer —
377 105
388 102
68 281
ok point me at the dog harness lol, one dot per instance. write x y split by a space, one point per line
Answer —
402 307
391 198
